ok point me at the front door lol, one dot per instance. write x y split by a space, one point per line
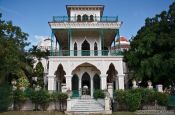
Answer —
86 84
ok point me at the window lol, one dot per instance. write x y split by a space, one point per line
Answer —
75 49
85 18
78 18
91 18
95 49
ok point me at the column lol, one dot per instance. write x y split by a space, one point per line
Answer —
103 82
68 81
80 88
92 88
121 81
71 46
52 37
51 83
116 84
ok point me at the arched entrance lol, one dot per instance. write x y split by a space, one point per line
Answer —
86 84
96 82
85 48
111 78
60 78
75 86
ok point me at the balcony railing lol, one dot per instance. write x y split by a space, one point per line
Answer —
94 19
86 53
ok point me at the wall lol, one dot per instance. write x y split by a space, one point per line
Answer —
91 40
74 13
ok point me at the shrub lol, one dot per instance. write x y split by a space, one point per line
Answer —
128 99
99 94
162 98
43 99
19 97
133 101
148 95
5 97
40 97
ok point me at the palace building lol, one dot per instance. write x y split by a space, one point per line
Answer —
83 53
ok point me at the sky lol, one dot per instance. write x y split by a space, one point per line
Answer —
33 15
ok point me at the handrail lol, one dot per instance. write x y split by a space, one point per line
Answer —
94 19
86 53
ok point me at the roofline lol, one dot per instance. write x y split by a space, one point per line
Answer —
85 6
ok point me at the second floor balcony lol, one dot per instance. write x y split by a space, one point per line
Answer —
85 18
86 53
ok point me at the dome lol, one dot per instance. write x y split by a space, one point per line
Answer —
122 39
44 44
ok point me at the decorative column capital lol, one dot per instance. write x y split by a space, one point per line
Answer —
121 75
103 75
68 76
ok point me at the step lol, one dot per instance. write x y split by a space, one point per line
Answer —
87 106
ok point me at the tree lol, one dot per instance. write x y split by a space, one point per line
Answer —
14 63
152 53
39 73
12 52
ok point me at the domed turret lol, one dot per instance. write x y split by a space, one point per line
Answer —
124 43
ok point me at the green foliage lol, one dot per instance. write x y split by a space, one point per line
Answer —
39 73
148 95
151 56
22 80
162 98
35 52
130 100
12 53
5 97
40 97
60 98
99 94
134 99
19 98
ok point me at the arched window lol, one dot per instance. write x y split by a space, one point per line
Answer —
75 49
85 18
78 18
95 49
111 78
85 47
60 76
91 18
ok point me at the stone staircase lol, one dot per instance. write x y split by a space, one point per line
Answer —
86 106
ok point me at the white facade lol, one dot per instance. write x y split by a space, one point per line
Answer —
84 57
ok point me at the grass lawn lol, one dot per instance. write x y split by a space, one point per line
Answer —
53 113
32 113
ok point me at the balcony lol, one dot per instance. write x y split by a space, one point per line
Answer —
86 53
85 19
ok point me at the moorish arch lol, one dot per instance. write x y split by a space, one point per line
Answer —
85 47
86 73
86 82
60 77
111 75
75 86
96 82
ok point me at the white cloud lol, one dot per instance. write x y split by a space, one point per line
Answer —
40 38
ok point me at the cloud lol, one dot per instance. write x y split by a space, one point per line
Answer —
40 38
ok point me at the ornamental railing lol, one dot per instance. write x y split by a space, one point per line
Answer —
86 53
86 19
